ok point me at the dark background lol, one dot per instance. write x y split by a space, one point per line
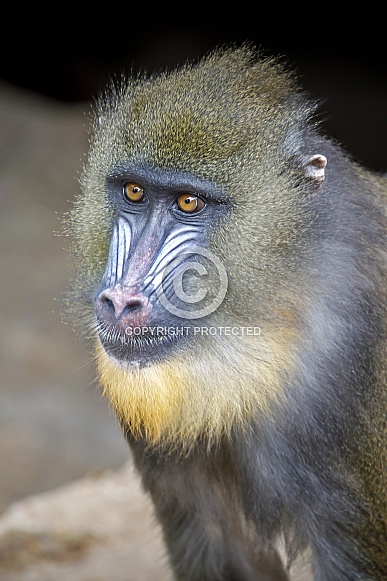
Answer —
340 59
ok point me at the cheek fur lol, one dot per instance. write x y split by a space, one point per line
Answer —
179 400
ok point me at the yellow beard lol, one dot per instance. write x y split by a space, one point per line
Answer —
176 401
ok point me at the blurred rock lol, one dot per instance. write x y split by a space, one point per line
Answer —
100 528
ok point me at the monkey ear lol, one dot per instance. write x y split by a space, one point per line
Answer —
314 167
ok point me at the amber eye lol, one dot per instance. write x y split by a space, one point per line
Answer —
189 204
133 192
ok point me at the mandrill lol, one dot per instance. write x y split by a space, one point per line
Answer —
230 270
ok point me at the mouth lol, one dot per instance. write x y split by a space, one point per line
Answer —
140 346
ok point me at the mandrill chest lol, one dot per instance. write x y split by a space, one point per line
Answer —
217 489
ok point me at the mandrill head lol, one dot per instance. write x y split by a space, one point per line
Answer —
189 240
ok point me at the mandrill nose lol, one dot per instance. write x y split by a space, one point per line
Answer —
121 304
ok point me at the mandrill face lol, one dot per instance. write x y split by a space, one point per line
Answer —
160 278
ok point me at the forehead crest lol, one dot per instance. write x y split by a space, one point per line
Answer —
197 113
